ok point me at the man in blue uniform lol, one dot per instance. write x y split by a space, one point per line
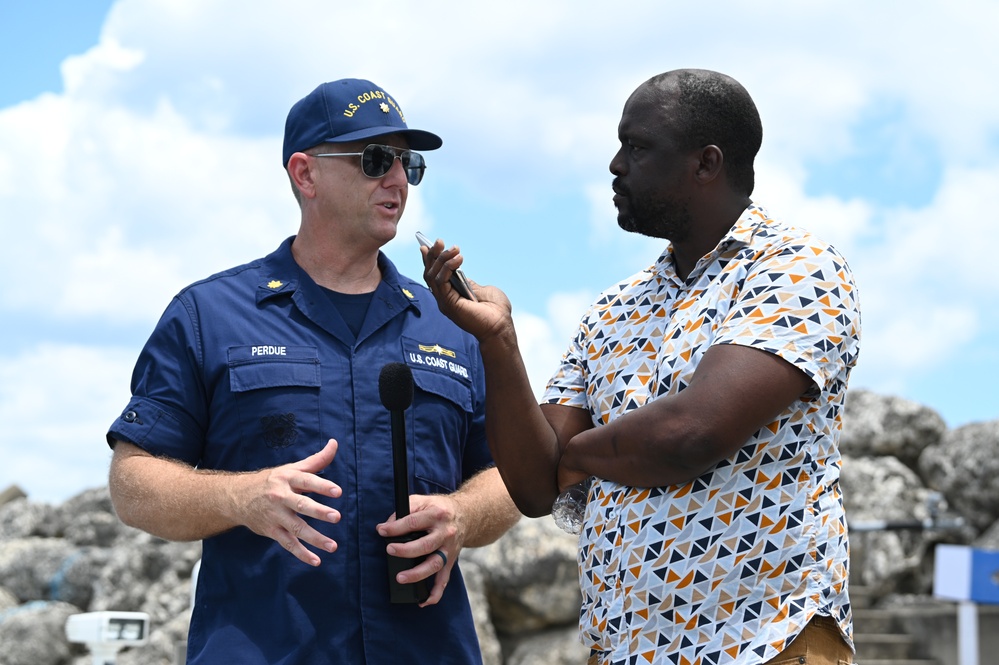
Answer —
256 423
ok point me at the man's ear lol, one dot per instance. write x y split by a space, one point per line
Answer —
711 161
301 173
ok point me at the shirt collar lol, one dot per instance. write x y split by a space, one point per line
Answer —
739 235
279 272
282 276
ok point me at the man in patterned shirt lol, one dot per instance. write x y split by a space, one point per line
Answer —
704 397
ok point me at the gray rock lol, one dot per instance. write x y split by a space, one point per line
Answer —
93 500
94 529
50 569
7 599
147 574
877 425
883 488
35 634
28 566
523 589
475 584
989 540
531 577
558 646
965 467
21 518
12 493
88 519
74 581
879 489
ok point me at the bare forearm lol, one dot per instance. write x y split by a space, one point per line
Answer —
524 444
522 440
735 392
169 499
648 447
486 508
172 500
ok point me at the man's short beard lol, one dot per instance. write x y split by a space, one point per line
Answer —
667 219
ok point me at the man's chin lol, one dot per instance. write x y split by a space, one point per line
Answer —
629 224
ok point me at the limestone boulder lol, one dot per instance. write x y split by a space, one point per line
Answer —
882 425
531 577
964 465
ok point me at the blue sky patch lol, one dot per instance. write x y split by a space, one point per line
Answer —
890 162
44 33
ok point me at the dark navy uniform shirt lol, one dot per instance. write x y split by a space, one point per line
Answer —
254 368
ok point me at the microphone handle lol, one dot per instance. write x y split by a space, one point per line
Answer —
414 592
399 465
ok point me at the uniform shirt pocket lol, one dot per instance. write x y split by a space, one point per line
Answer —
276 392
442 416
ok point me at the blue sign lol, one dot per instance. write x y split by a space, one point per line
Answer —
965 573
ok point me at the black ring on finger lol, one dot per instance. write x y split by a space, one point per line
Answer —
442 556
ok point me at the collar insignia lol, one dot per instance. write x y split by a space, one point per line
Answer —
408 294
275 284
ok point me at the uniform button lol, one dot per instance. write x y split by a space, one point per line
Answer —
130 417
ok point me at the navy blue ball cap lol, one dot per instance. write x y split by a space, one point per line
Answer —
348 110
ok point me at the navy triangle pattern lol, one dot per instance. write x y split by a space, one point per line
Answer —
726 568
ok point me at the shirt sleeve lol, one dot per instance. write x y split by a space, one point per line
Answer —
799 301
567 386
168 412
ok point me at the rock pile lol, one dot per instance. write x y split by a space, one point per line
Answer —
901 464
899 456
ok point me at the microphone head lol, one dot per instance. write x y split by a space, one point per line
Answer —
395 386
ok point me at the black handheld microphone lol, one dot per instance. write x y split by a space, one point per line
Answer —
395 388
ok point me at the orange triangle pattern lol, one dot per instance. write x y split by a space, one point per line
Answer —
725 568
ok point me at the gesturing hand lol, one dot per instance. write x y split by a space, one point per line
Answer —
274 501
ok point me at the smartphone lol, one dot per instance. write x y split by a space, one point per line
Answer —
458 280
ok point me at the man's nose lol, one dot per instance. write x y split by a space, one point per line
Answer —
396 175
617 164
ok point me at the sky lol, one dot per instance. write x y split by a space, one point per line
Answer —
140 145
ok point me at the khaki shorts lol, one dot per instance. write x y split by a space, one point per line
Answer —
819 643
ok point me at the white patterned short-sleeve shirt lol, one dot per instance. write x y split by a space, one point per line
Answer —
729 567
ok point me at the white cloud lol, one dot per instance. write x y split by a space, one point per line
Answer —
56 403
106 60
543 340
119 210
160 162
844 224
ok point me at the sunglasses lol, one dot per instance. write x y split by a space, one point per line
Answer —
376 160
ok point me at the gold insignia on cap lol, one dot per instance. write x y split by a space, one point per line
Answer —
275 284
408 294
438 349
384 107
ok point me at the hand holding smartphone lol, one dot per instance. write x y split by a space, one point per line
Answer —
458 280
